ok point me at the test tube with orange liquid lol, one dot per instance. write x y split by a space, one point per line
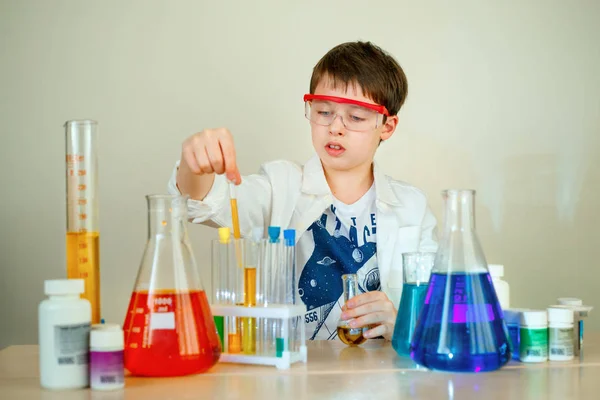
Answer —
248 327
83 237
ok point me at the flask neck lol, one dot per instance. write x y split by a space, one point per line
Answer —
167 215
460 250
350 283
459 210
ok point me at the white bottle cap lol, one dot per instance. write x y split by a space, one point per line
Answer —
63 286
513 315
496 270
560 315
534 318
109 336
569 301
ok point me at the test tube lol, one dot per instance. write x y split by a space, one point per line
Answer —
236 271
289 236
220 267
252 252
236 287
281 285
235 219
83 237
268 329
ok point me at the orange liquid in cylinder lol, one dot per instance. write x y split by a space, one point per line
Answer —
170 333
83 262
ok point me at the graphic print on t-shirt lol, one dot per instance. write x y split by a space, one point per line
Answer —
337 251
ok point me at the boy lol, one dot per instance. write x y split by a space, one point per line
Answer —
349 216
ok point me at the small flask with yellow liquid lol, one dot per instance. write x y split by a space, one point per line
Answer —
348 335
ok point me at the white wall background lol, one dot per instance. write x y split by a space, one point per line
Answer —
504 97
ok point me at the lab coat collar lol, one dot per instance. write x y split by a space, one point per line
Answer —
314 182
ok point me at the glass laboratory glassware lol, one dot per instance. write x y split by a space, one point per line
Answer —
83 237
169 328
348 335
416 268
461 327
221 293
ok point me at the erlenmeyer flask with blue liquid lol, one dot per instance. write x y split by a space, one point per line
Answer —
461 327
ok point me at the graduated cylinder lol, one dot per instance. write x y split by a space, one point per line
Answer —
83 237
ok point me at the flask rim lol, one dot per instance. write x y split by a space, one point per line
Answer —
446 192
80 122
159 196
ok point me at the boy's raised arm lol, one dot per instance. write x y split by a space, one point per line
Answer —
207 162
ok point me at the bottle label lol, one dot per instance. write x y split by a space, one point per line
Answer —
561 342
106 368
162 313
71 344
533 343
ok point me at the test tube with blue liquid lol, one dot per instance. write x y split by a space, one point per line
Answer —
416 272
461 327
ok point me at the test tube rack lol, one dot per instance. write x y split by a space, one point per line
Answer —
282 312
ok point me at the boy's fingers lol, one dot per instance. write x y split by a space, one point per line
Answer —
362 310
190 160
228 151
365 298
368 319
203 161
215 157
238 177
379 330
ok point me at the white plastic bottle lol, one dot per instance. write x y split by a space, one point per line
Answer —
561 338
64 321
106 357
501 286
581 312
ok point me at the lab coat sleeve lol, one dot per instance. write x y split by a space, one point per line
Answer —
253 198
428 242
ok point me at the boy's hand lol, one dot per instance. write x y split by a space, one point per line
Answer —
211 151
372 309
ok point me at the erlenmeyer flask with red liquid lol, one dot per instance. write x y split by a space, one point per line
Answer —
169 328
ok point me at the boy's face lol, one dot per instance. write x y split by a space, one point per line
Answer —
339 148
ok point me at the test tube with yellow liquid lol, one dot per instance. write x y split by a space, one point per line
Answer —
83 237
252 255
249 278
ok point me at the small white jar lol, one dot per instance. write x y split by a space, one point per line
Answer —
561 334
581 312
106 357
533 336
500 286
64 321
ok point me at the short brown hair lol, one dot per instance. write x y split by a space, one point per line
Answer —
376 72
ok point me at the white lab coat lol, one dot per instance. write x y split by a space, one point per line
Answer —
292 196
